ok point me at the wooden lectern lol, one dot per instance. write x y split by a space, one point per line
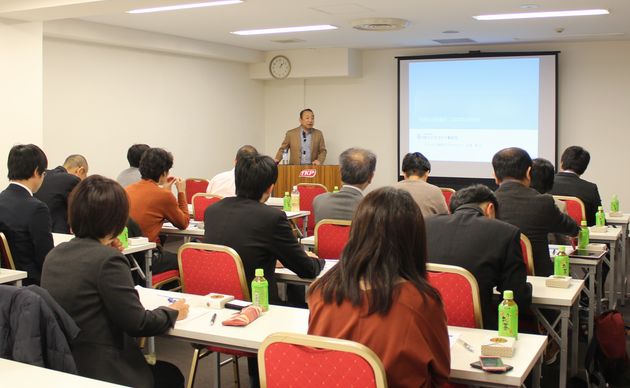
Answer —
292 174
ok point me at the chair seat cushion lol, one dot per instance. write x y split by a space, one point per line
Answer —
237 353
162 276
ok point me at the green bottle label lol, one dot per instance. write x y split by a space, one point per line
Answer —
286 203
508 319
583 237
614 204
600 218
561 265
260 293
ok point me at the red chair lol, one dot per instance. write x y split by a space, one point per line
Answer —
299 360
331 237
460 294
575 207
447 193
207 268
6 259
194 186
201 201
528 254
308 192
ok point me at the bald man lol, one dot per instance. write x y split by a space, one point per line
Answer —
58 183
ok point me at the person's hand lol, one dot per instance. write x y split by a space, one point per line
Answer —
311 254
168 183
279 264
316 162
180 184
181 307
115 243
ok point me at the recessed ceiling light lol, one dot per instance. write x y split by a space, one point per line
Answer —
281 30
529 6
450 32
185 6
552 14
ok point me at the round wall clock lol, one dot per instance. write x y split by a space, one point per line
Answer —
279 67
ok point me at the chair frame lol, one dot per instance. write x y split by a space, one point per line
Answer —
448 190
328 221
200 351
306 184
192 201
7 250
194 179
565 198
432 267
530 255
319 342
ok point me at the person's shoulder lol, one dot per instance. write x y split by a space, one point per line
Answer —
293 130
322 198
413 299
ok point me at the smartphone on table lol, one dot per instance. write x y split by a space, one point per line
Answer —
492 364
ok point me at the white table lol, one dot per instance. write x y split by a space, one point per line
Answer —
622 221
611 236
308 242
19 375
13 277
287 319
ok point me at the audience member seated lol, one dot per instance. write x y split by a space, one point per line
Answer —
573 163
533 213
542 181
132 174
416 169
58 183
260 234
151 202
357 170
378 294
91 279
24 219
490 249
223 183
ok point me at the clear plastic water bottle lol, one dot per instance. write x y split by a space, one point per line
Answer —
285 156
286 202
295 199
260 290
508 316
600 217
583 236
561 263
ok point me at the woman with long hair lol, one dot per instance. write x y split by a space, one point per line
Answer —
378 294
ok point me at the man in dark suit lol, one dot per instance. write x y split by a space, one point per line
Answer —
260 234
573 163
58 183
357 170
25 220
533 213
490 249
305 142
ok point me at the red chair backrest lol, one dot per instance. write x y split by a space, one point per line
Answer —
457 298
289 365
527 255
574 210
308 192
447 193
204 271
194 186
200 203
331 239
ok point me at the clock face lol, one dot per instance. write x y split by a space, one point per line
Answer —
280 67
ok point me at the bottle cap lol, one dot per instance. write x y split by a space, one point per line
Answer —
599 208
561 248
259 272
583 223
286 193
295 188
508 294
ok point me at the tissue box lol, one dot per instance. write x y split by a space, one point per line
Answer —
615 214
499 346
599 229
558 281
137 240
217 301
596 247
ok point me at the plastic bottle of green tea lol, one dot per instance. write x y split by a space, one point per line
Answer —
508 316
561 263
260 290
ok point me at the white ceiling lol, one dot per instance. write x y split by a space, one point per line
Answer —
428 20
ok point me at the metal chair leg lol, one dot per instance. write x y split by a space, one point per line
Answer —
237 377
193 368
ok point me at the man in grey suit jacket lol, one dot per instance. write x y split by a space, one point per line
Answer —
357 171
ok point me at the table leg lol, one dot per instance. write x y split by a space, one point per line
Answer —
305 226
536 373
575 320
612 276
564 345
18 283
599 290
593 301
148 256
216 369
623 265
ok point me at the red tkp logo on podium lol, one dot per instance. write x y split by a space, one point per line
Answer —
310 173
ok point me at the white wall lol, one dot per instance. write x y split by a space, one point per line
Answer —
594 98
98 100
20 88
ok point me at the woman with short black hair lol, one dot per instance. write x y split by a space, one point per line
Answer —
378 294
91 279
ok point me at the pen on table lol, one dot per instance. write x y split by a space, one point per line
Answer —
170 298
465 345
214 317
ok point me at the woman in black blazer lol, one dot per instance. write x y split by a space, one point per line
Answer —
91 279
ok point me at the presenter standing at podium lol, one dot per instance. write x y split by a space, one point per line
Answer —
305 142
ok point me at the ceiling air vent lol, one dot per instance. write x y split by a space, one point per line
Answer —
379 24
454 41
288 40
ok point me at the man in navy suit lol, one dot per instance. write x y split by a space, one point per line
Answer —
25 219
573 163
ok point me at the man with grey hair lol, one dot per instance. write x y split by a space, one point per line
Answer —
223 183
58 183
357 170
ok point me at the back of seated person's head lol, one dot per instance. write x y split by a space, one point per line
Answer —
357 166
254 175
576 159
25 160
154 163
511 163
387 243
415 164
98 208
542 175
473 195
245 151
134 154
